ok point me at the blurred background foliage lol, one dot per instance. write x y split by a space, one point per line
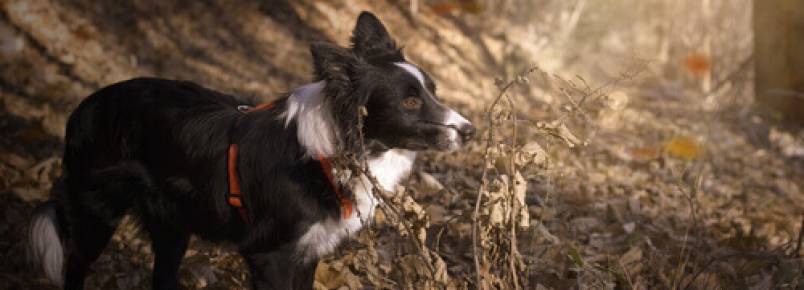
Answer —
649 144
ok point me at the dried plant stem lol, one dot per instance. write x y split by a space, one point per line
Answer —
484 184
385 204
629 74
627 275
699 272
680 270
360 166
513 252
576 106
800 238
476 251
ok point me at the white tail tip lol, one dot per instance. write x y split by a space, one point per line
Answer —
45 244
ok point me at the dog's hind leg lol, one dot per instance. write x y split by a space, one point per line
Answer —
89 237
95 206
169 247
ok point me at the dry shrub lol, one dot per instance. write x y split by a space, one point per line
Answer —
513 153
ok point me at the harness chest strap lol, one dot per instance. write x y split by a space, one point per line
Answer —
346 204
235 195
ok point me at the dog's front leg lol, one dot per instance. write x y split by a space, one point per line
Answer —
169 247
280 269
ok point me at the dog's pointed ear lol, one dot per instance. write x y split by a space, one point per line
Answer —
370 38
342 70
332 62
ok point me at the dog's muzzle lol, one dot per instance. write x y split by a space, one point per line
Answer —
453 132
464 130
467 132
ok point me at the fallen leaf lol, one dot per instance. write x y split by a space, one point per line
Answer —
468 6
29 194
16 161
520 187
532 154
645 153
697 64
437 213
575 256
632 256
443 8
429 182
683 147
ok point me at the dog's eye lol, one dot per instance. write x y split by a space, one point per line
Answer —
412 103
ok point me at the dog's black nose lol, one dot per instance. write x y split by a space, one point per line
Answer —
467 131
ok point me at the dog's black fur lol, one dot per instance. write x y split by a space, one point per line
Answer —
157 148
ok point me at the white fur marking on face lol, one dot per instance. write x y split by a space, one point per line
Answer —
456 121
413 70
45 245
314 122
324 236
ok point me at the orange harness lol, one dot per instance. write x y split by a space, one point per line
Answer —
235 195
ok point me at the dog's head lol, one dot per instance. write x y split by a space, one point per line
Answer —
402 109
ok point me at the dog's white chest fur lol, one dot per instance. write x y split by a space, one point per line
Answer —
323 236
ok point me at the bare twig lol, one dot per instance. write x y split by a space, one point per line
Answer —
627 275
360 166
691 201
512 189
797 252
484 183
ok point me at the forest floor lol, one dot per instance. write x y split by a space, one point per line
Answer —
666 191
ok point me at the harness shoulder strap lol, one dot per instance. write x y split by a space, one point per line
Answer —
234 197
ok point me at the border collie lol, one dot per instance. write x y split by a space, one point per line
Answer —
162 150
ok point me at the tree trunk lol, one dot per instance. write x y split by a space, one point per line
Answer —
779 56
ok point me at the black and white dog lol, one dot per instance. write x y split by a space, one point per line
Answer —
161 150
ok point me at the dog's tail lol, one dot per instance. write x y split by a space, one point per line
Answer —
45 241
